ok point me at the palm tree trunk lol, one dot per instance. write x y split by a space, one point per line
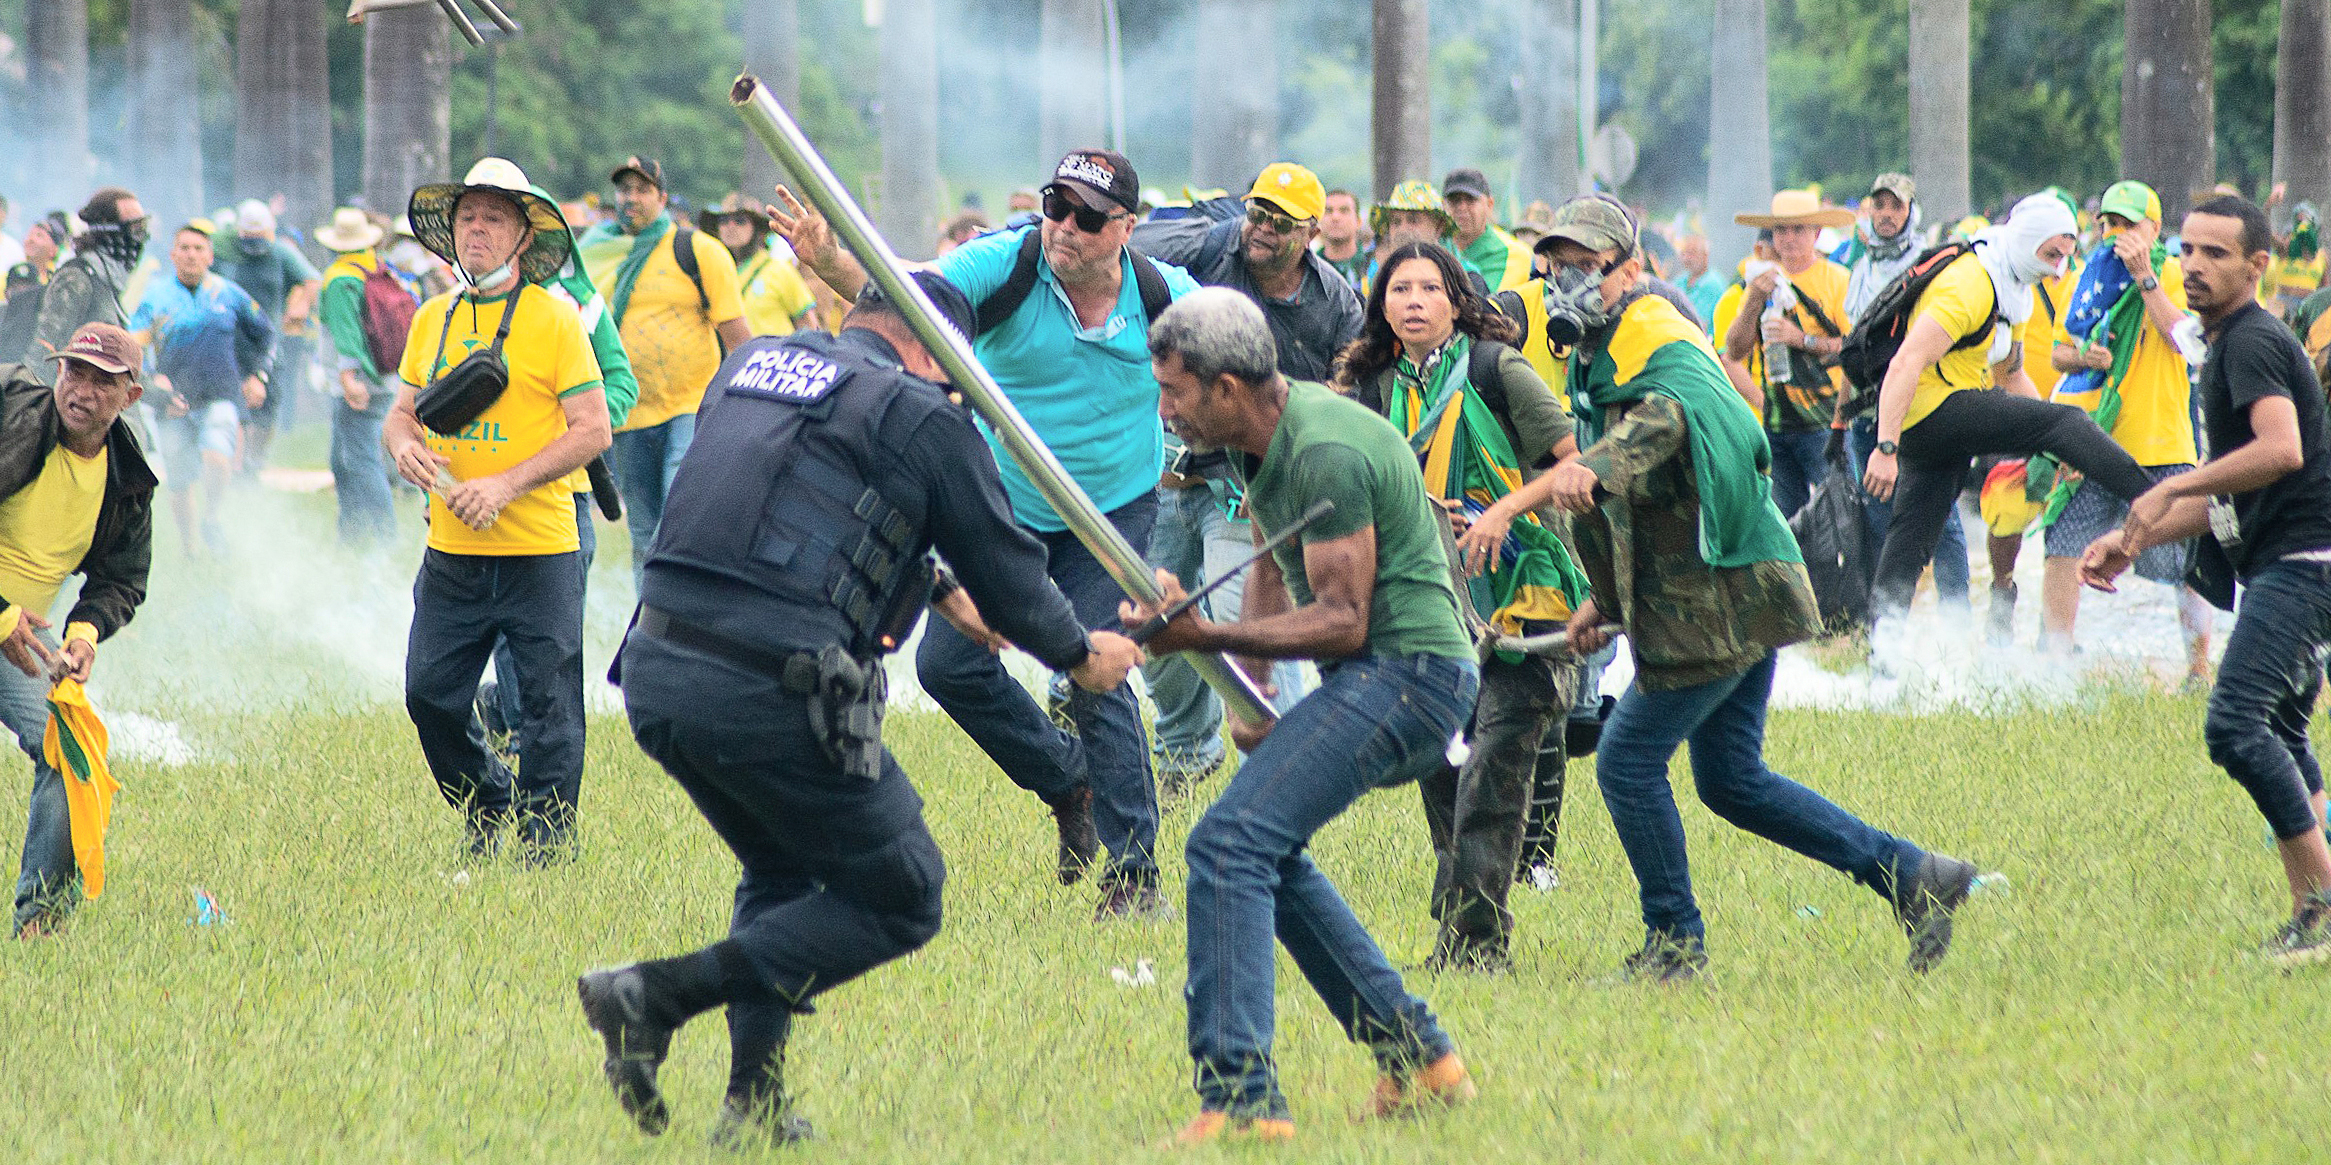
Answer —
408 110
163 147
2168 139
1234 124
283 107
772 53
1073 70
1546 88
1938 108
57 88
2302 103
1740 131
910 127
1403 113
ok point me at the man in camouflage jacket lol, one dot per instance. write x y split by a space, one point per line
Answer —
1683 547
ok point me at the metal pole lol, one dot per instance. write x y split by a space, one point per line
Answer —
769 122
1116 76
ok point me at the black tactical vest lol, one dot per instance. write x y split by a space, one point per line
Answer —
792 489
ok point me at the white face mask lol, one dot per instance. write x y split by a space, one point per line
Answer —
491 278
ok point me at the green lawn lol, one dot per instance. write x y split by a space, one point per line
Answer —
365 1004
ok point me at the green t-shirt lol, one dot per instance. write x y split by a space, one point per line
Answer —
1332 447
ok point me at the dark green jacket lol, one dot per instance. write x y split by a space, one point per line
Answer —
1689 623
122 548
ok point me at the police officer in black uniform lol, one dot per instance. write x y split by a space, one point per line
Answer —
794 551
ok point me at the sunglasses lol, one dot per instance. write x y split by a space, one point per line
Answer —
1057 207
1262 216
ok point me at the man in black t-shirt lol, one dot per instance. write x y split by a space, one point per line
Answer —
2262 506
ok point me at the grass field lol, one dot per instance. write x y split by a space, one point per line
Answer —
366 1004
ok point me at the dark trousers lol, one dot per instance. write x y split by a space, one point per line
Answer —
1108 750
505 660
1937 451
461 604
2266 689
1797 467
1476 813
840 874
1724 722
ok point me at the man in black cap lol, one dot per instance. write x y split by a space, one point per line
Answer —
792 557
1062 322
1491 249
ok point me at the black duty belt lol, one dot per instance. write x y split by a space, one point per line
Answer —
797 670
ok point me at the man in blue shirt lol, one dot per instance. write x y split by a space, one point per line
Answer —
1073 356
209 345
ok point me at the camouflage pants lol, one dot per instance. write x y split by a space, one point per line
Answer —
1476 813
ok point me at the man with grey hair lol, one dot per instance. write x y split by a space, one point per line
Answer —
1365 591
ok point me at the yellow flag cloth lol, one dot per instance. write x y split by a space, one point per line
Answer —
75 746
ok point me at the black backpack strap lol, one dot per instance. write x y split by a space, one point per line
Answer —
1006 299
1155 295
1820 317
1509 304
684 253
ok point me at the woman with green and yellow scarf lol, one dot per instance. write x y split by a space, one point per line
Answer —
1436 359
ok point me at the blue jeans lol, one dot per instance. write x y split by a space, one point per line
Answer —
1108 752
1198 543
47 883
644 462
1950 551
361 478
1797 468
2266 689
1724 721
1372 724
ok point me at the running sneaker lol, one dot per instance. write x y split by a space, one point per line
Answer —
2306 938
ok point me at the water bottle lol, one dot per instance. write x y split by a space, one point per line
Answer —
1776 353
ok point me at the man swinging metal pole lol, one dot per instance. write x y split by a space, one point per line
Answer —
777 131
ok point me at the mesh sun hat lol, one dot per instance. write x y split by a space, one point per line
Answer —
431 212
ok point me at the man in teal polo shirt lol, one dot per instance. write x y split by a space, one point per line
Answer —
1073 356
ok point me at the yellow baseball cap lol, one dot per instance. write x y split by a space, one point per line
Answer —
1291 188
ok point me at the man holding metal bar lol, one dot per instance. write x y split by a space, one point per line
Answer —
1365 591
1062 308
753 674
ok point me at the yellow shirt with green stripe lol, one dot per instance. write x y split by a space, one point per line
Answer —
774 294
549 359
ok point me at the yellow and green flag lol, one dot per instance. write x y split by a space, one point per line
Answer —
75 745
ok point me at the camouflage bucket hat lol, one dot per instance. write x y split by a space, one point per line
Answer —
1414 194
431 212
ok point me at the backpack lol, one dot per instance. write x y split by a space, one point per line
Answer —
996 308
684 254
1869 348
388 315
1833 534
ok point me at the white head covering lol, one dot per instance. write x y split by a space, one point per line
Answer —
2010 251
253 218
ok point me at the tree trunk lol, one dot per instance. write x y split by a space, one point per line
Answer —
57 91
1234 124
408 107
2168 139
1938 108
1073 71
2302 103
1402 118
772 53
283 108
910 127
1740 132
162 150
1546 91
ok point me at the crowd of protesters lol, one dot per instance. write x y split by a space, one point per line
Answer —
1562 423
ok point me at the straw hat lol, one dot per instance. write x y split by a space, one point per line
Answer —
1798 208
431 210
349 230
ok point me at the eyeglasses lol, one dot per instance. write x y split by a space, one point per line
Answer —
1262 216
1057 206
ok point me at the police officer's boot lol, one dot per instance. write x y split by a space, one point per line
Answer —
636 1009
756 1112
1080 842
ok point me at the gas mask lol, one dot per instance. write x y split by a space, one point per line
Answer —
1574 303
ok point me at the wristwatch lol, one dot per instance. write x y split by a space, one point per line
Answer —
1888 448
2149 283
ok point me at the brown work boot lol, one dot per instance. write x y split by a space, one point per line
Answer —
1211 1127
1080 843
1443 1083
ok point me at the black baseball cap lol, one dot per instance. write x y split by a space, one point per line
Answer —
647 168
1103 175
1466 181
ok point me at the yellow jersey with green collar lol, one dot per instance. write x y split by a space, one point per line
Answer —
549 359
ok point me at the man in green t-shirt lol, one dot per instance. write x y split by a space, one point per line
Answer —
1365 591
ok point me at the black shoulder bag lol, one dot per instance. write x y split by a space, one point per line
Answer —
466 390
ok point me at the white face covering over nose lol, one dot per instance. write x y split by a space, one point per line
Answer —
2010 251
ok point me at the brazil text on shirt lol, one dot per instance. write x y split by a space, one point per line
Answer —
1088 392
787 374
194 336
